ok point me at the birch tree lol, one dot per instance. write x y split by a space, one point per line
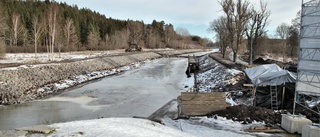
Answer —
37 29
283 32
70 33
16 29
3 29
93 38
52 28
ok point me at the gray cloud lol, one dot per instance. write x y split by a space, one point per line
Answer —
185 12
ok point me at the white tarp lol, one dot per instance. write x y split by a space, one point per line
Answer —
270 74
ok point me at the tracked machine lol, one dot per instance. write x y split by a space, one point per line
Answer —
133 47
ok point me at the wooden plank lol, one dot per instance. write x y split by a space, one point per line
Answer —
248 85
219 102
193 112
203 111
196 114
203 107
192 94
202 99
203 96
203 93
207 110
198 103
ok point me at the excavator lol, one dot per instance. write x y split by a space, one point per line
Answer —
133 47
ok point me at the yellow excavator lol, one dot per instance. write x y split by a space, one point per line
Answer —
133 47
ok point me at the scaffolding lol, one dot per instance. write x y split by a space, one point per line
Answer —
308 80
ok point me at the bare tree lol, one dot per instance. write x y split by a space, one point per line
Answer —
16 29
219 26
93 38
3 29
296 22
60 39
147 36
37 29
117 40
70 34
135 30
238 15
182 31
67 31
25 37
283 32
256 27
169 35
228 7
293 40
52 23
241 19
293 34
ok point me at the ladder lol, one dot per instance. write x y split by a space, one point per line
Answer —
274 97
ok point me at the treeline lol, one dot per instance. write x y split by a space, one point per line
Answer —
49 26
242 23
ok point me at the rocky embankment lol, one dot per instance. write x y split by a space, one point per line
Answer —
21 84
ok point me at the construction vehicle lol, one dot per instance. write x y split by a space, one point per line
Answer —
193 66
133 47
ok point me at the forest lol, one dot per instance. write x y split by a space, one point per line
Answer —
48 26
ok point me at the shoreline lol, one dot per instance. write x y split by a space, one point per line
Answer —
27 84
22 84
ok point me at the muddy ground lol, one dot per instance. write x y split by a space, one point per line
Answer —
248 114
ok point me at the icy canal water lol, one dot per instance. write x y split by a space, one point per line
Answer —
138 92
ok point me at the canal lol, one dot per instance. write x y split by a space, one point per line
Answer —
137 92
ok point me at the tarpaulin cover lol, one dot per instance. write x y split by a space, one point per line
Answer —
270 74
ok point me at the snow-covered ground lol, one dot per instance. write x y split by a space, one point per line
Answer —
135 127
199 126
44 57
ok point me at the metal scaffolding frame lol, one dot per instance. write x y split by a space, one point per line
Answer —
308 80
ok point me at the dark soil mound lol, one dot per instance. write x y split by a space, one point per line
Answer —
247 114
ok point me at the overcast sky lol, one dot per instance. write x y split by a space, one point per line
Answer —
193 15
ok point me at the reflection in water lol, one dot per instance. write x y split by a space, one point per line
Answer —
83 101
39 112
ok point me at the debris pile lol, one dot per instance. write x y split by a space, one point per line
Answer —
213 76
247 114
